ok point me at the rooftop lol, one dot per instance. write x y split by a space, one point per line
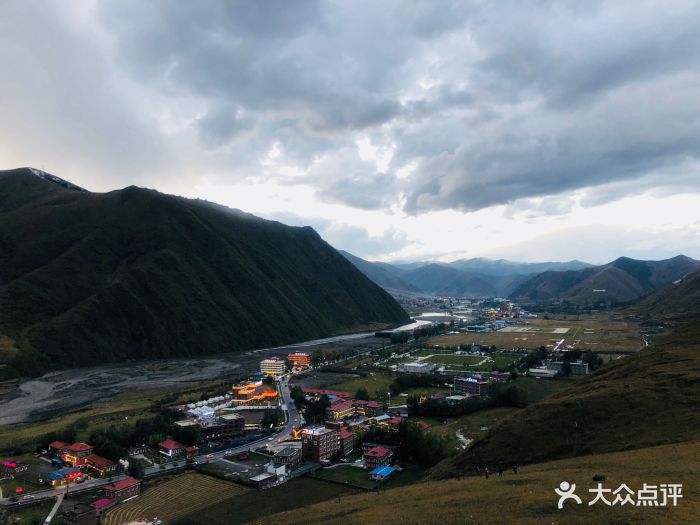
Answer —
170 444
378 452
99 460
79 447
382 471
122 484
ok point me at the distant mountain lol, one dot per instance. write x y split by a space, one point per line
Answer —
622 280
88 278
501 267
464 278
385 275
442 280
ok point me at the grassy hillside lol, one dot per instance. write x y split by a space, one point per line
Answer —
87 278
677 300
527 498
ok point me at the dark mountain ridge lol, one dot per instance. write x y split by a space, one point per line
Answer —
87 278
621 280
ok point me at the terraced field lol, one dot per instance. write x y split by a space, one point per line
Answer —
174 498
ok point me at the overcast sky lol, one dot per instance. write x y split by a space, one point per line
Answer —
399 130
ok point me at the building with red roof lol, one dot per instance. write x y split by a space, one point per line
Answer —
75 453
122 489
172 448
317 392
347 441
377 457
102 466
103 504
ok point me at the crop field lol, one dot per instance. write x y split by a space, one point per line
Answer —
174 498
589 333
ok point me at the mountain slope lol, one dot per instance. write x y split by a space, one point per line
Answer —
385 275
87 278
679 299
639 401
622 280
443 280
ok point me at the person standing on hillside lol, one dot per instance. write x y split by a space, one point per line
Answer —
500 471
487 472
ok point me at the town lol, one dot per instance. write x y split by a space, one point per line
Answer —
296 415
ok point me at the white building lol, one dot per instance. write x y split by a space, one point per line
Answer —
273 367
417 367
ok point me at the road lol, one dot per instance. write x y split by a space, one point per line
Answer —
40 495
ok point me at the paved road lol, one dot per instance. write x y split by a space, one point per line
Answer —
40 495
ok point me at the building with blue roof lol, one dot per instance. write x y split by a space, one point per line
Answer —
381 473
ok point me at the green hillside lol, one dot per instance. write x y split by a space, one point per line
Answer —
87 278
622 280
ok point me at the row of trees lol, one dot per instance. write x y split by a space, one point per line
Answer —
501 395
413 444
405 381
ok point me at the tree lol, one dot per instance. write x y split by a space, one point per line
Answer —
270 419
137 468
362 394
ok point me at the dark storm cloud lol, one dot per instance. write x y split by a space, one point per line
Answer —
488 102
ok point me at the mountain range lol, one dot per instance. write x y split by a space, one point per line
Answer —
87 278
622 280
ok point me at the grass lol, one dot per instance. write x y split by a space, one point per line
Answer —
587 332
527 498
34 514
460 360
356 476
374 383
131 405
175 498
254 506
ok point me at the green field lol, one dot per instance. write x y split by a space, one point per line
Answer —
377 383
352 475
461 360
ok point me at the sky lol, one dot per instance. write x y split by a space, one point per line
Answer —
400 131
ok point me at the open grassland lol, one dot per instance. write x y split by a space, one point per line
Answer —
174 498
254 506
377 382
587 332
527 498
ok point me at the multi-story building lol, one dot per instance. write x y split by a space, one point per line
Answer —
319 443
123 489
376 457
75 453
252 393
289 456
347 441
340 410
300 359
273 367
472 386
343 409
222 428
368 408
